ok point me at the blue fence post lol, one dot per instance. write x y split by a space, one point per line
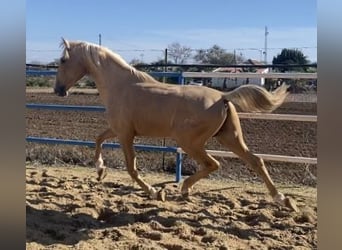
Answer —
179 159
181 79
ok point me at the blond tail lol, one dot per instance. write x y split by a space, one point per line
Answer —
253 98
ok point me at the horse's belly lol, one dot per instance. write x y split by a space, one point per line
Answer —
153 129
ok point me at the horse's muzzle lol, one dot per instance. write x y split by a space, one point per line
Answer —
60 91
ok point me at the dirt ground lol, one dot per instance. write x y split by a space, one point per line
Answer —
67 208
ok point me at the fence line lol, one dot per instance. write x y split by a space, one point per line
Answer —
138 66
266 157
60 107
182 75
92 144
179 152
154 74
250 75
104 145
280 117
41 72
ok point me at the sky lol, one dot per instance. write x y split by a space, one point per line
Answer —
143 29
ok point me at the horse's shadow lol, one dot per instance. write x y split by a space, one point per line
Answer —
65 226
62 226
49 227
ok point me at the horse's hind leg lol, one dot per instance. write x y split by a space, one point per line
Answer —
127 147
100 168
207 162
231 136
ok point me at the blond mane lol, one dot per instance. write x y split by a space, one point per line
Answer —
101 55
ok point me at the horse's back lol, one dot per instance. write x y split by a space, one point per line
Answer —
168 97
167 110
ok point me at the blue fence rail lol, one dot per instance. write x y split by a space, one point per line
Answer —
100 109
92 144
178 75
41 72
65 107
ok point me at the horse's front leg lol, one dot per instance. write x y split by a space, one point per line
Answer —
100 168
127 147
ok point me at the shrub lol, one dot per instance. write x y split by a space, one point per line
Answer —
38 82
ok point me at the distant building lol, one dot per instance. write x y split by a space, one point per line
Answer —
233 82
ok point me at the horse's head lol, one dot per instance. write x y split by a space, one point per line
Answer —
70 69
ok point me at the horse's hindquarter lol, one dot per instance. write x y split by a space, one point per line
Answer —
164 110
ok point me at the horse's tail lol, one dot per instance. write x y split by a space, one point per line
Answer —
253 98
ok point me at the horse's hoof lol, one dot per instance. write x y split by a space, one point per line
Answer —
161 195
186 196
102 173
290 203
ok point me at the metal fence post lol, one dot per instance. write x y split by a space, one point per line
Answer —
179 159
181 79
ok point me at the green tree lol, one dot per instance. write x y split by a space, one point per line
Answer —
135 61
215 55
290 56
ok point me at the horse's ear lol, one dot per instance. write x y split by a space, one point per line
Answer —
66 44
66 50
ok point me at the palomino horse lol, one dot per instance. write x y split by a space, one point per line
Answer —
138 105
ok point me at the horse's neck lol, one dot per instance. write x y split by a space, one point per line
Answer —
110 80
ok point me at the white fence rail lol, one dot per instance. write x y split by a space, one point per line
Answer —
250 75
281 117
266 157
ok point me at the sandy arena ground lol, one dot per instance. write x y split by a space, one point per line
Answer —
67 208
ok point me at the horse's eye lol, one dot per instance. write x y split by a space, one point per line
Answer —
63 60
